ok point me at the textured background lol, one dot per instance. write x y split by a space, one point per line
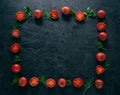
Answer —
63 48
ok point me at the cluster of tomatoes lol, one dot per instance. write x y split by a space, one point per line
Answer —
62 82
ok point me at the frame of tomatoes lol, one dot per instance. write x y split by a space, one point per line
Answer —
77 82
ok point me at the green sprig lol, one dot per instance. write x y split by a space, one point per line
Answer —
100 45
106 65
28 12
90 13
17 25
69 82
17 59
46 15
72 12
43 79
15 79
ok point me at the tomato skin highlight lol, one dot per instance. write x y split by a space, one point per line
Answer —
101 14
22 82
20 16
16 33
100 57
102 36
99 83
65 10
16 68
50 83
77 82
34 81
15 48
37 14
54 14
79 16
62 82
100 69
101 26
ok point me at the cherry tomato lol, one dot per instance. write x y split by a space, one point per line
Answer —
15 33
54 14
62 82
101 14
102 36
50 83
100 69
79 16
99 83
77 82
16 68
15 48
37 14
34 81
22 82
20 16
100 57
101 26
65 10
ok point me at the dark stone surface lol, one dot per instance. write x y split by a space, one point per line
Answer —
62 48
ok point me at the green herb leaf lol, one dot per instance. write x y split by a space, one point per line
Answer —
28 12
90 13
100 45
106 65
72 12
68 83
43 80
17 59
15 79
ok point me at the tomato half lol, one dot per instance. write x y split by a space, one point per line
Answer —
102 36
20 16
37 14
16 68
54 14
100 69
16 33
15 48
79 16
22 82
101 26
77 82
62 82
100 57
34 81
101 14
99 83
50 83
65 10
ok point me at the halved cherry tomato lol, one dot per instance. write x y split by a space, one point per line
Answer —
54 14
101 14
101 26
100 69
37 14
16 68
34 81
22 82
102 36
15 48
65 10
99 83
15 33
100 57
62 82
79 16
77 82
50 83
20 16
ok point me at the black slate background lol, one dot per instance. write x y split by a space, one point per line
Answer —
62 48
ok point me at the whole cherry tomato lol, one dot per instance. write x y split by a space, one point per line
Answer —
15 48
100 57
101 26
20 16
22 82
16 68
15 33
101 14
77 82
100 69
37 14
79 16
62 82
54 14
102 36
50 83
34 81
99 83
65 10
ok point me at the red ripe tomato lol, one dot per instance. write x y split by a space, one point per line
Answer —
16 68
100 69
100 57
62 82
37 14
102 36
101 26
15 33
20 16
15 48
65 10
22 82
101 14
79 16
99 83
34 81
77 82
50 83
54 14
